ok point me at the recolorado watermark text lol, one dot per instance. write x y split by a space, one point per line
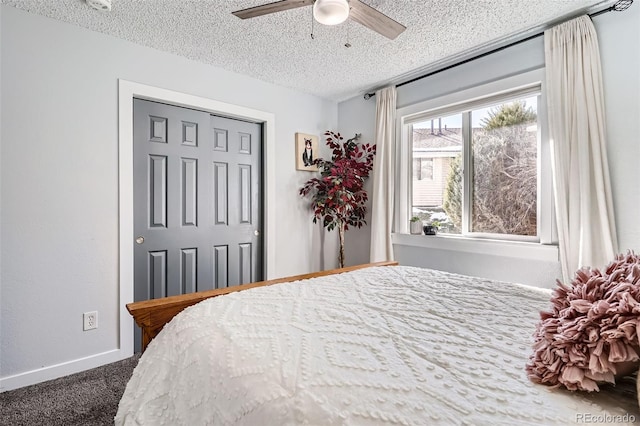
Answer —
605 418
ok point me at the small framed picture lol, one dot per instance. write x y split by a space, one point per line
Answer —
306 152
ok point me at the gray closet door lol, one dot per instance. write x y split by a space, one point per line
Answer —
197 201
236 204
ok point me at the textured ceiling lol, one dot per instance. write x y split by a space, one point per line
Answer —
278 48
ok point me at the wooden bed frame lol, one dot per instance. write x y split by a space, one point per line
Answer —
152 315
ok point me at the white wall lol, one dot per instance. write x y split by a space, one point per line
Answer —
619 35
619 38
59 177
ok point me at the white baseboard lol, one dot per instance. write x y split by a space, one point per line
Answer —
64 369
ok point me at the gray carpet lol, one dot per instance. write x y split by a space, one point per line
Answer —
88 398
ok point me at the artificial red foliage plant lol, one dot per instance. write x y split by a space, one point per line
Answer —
338 197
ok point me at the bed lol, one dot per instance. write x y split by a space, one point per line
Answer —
374 345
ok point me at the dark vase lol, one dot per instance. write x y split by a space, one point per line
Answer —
430 230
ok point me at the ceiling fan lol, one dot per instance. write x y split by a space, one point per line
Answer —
333 12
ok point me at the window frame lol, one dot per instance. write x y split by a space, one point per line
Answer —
421 160
462 102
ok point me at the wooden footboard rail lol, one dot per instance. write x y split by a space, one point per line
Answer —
152 315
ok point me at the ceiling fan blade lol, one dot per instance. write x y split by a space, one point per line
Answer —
375 20
268 8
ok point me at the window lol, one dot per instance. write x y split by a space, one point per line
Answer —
440 140
422 168
504 172
487 164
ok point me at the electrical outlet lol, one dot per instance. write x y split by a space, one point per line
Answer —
90 320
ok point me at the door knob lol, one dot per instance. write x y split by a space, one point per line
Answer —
139 240
256 232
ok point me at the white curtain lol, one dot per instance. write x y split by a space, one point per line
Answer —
383 176
584 208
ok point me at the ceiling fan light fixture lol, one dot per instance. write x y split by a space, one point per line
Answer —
331 12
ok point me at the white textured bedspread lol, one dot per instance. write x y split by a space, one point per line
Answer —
386 345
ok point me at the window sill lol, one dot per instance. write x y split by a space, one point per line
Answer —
517 249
